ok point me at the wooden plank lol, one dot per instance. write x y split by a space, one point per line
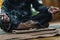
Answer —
24 36
32 30
47 33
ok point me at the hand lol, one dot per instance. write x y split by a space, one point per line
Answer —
23 26
53 10
27 25
5 17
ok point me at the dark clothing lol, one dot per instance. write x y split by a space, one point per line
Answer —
42 18
20 11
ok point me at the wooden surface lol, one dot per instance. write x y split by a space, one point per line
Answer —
33 34
17 38
49 38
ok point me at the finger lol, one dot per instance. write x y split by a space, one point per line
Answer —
25 24
49 10
56 8
6 18
54 11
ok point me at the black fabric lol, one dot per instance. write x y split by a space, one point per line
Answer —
20 11
42 18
